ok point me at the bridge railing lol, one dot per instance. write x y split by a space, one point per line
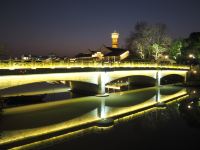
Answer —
21 64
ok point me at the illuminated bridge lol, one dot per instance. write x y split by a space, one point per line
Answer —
95 73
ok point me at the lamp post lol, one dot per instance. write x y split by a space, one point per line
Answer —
191 58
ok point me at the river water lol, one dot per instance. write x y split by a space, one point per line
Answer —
149 118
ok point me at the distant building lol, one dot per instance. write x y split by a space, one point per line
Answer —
26 57
91 55
98 55
113 53
83 56
50 57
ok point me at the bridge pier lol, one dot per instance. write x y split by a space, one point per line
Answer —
102 84
185 78
157 97
158 77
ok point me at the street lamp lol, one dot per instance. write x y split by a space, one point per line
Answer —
191 56
166 56
194 71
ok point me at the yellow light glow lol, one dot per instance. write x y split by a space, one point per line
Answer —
115 35
166 56
194 71
87 77
124 55
113 87
83 64
191 56
98 55
149 103
64 137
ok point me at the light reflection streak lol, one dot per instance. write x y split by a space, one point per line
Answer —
60 138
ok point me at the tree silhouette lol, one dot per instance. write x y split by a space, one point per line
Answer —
147 40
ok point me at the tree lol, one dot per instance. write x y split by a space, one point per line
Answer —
175 49
191 47
156 50
148 41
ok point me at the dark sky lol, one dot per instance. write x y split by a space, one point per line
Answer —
67 27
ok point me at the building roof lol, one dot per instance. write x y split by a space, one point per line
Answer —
115 51
83 55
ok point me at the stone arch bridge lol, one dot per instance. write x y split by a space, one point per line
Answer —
96 72
99 78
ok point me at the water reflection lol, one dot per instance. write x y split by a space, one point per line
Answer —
74 114
102 109
190 111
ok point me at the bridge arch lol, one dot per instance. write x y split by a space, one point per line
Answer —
15 80
169 72
136 80
99 78
82 87
172 78
111 76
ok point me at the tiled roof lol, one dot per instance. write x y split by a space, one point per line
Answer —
115 51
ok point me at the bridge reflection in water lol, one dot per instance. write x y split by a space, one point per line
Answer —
80 115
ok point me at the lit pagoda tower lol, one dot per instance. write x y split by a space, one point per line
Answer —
115 37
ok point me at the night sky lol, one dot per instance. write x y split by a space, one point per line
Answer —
67 27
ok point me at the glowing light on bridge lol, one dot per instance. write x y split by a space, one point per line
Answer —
83 64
